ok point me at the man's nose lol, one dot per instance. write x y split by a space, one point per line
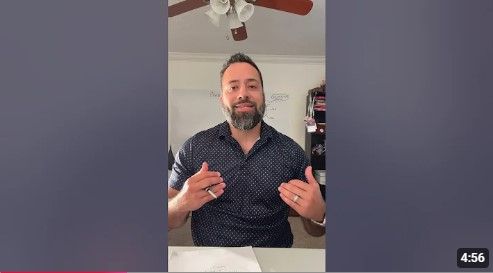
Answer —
242 92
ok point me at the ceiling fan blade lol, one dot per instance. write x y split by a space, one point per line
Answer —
239 34
184 6
300 7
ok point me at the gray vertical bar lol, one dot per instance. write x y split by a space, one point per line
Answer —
410 151
83 135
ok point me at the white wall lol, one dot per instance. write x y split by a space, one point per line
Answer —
290 75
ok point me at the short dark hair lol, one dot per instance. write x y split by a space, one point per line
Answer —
240 58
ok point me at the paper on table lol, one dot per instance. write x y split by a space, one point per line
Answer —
230 259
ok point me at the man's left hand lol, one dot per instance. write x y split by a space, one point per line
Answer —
305 198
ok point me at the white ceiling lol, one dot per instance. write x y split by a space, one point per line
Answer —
270 32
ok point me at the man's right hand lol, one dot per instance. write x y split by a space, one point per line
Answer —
193 195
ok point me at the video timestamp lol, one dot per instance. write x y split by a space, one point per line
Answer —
473 258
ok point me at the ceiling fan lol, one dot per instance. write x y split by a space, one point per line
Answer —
239 11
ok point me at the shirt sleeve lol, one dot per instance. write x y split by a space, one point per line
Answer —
182 168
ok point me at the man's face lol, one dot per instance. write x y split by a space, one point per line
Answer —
242 96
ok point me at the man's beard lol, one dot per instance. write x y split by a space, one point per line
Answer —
244 121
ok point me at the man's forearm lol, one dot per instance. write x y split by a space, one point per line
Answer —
176 216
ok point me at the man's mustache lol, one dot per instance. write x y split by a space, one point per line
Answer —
245 101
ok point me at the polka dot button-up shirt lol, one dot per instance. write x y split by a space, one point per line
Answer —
250 212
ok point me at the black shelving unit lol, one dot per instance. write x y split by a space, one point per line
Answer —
315 141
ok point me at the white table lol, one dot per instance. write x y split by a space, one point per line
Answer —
281 259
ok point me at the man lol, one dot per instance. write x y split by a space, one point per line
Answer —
239 178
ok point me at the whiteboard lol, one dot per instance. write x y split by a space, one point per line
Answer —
191 111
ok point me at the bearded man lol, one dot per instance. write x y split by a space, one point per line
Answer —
239 179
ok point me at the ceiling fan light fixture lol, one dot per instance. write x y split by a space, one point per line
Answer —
213 17
220 6
234 22
244 10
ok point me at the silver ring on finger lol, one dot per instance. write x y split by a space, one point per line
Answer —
295 198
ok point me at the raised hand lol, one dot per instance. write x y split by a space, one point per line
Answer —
193 195
304 197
